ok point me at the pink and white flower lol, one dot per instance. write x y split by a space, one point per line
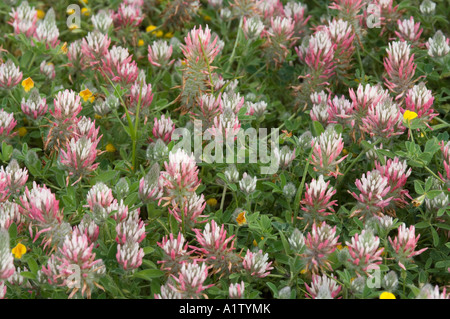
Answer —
214 244
162 129
400 68
383 120
128 16
130 255
397 173
420 100
35 107
191 279
159 54
327 148
6 258
409 30
320 243
7 124
374 194
236 291
24 19
77 251
404 245
10 75
256 264
175 252
95 46
190 209
9 213
199 46
47 32
364 251
79 156
317 202
323 287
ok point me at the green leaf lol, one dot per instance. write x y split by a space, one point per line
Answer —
435 237
6 152
148 250
273 288
12 231
428 184
131 199
283 179
284 242
418 187
33 265
272 186
29 275
443 226
422 225
104 176
434 193
149 274
358 222
317 128
222 176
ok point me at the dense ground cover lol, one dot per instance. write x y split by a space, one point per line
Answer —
118 120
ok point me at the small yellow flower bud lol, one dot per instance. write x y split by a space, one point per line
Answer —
85 11
150 28
168 35
40 14
22 131
110 148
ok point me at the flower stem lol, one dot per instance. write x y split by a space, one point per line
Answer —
233 53
223 197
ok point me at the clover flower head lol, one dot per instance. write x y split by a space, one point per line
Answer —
10 75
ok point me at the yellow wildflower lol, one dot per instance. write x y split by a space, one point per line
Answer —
27 84
241 220
40 14
387 295
303 271
110 148
64 48
255 243
211 202
19 250
168 35
345 151
70 11
84 1
86 11
207 18
159 33
150 28
141 42
86 95
97 116
22 131
409 115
